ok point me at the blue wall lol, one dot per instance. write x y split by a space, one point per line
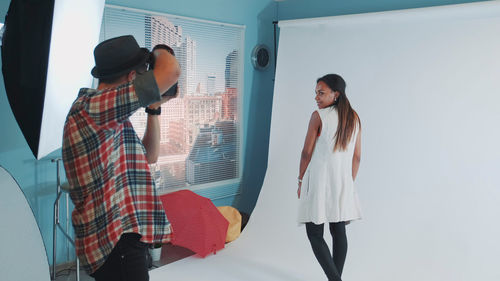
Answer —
37 178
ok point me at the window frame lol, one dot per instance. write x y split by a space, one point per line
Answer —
223 188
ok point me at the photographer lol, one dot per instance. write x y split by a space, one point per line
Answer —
117 212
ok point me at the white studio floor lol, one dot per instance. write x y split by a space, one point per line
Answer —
272 247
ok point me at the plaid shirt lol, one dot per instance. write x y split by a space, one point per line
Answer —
106 166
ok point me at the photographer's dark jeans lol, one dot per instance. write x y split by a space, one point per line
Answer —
332 264
127 261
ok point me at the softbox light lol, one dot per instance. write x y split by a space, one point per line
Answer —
46 57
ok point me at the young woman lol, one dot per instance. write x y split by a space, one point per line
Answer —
328 167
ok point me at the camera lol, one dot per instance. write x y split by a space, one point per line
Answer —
173 90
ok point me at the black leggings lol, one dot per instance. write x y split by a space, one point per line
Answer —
332 265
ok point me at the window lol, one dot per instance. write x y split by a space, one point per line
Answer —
1 33
200 130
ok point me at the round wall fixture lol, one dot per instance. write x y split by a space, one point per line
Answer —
260 57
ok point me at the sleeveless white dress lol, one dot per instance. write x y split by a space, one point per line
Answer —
328 193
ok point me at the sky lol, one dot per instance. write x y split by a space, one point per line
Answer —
212 50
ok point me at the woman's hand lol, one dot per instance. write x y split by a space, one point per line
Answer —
299 189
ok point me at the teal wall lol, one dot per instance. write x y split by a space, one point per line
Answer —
37 177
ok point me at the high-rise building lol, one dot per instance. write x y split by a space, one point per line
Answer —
173 139
186 56
214 155
231 72
230 95
173 110
201 111
159 30
211 84
230 104
176 138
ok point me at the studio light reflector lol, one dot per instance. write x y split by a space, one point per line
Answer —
47 55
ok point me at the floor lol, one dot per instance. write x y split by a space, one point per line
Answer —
169 254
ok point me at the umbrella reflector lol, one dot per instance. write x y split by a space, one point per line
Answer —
196 222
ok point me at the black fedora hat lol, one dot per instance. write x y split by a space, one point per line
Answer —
118 56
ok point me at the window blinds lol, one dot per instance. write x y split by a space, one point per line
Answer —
1 33
200 130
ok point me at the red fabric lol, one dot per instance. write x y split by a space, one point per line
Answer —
198 225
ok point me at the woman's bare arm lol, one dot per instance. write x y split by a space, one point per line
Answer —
311 136
356 158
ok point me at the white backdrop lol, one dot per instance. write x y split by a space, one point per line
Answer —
22 254
425 84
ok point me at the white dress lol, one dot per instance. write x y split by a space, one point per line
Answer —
328 193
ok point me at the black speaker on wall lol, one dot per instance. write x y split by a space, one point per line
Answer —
261 57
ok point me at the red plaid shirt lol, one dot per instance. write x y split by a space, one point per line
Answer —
106 166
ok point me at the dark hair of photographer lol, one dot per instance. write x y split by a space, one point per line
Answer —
165 47
158 47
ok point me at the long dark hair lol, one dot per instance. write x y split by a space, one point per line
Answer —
347 116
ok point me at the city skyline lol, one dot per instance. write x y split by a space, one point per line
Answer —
204 107
214 41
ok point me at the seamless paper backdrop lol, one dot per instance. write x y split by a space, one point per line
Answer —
425 84
21 241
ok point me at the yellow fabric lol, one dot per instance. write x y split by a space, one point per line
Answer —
234 218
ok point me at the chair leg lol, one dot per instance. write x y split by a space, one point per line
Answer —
54 237
77 269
